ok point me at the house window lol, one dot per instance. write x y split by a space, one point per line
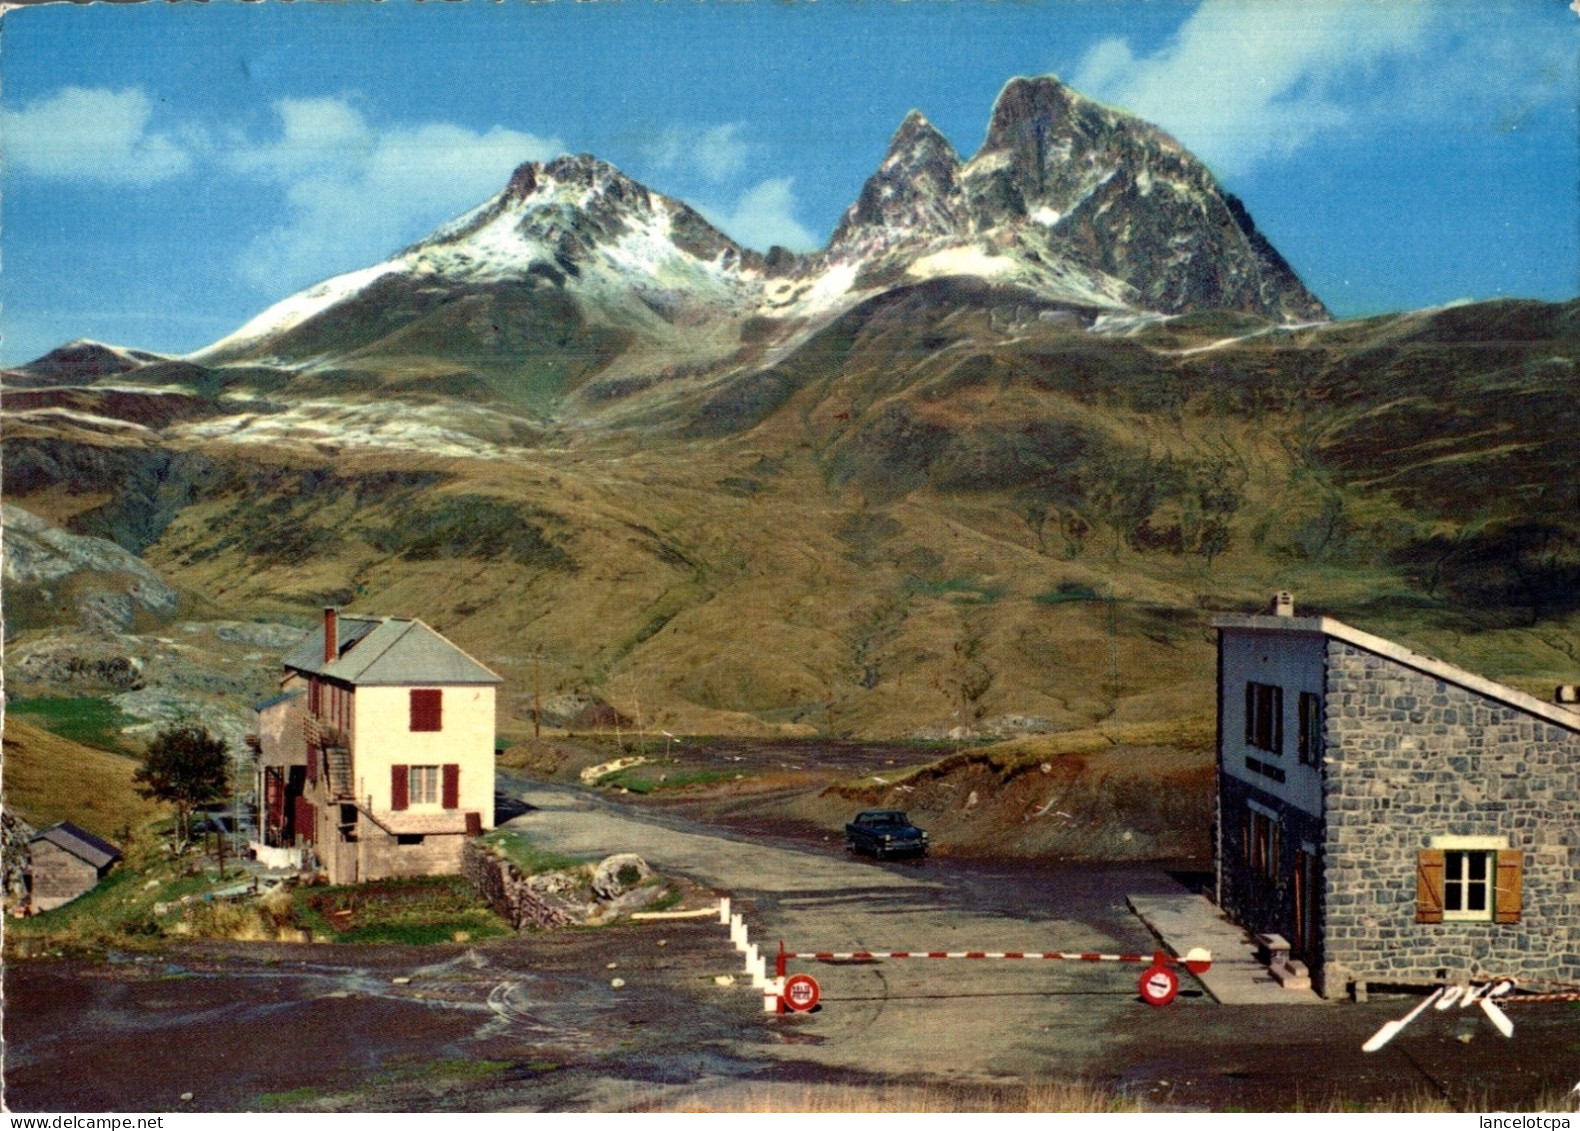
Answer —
1264 844
1470 884
1467 884
422 783
1264 717
1310 728
427 709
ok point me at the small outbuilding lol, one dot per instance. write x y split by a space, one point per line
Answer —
66 862
1397 819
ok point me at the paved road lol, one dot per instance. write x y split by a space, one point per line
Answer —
978 1020
409 1028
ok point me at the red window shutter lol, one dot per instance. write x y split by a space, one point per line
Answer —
427 709
274 794
1429 886
452 785
1506 901
400 792
305 820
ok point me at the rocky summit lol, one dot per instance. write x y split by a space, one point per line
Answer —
1063 188
575 281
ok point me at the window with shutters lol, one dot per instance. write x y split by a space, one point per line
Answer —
1264 717
1468 885
427 709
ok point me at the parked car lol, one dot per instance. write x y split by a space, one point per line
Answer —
885 832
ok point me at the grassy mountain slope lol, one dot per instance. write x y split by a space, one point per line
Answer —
50 779
955 506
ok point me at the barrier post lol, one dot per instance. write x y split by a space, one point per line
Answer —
779 977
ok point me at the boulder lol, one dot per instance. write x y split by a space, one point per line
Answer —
617 874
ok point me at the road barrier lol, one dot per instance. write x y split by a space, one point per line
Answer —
1158 984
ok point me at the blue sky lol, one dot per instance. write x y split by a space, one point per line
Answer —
171 169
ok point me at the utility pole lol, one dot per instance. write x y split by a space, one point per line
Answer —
537 692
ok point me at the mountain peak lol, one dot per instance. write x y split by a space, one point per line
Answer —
1120 196
917 135
1074 201
1044 100
913 188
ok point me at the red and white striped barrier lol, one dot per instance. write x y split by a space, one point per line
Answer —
1197 961
1158 983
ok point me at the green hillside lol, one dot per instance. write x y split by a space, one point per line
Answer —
952 507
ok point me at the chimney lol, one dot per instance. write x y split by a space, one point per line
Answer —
1283 604
331 634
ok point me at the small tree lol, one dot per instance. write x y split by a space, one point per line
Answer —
184 766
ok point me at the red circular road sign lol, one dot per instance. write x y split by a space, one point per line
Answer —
1159 984
801 992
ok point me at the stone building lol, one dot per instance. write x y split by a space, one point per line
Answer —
280 752
1397 819
65 862
377 758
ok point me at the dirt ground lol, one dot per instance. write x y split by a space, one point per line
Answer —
533 1022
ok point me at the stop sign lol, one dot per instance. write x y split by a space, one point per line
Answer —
1158 985
801 992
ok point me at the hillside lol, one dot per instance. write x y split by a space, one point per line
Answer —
987 462
945 511
50 779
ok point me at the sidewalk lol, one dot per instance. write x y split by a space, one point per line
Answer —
1236 978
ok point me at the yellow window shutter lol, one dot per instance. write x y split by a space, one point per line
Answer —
1429 886
1506 903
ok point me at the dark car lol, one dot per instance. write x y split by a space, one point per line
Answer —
885 832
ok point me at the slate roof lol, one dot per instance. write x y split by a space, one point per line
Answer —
276 700
389 651
80 843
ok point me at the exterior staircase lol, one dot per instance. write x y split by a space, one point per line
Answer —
320 734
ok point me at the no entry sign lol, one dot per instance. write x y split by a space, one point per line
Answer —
801 992
1158 985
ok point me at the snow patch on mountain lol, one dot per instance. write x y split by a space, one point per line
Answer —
327 426
291 312
966 260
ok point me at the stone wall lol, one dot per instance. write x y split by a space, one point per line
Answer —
58 877
506 890
381 856
1410 757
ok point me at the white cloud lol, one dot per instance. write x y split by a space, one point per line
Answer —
92 134
715 153
763 216
356 193
1245 80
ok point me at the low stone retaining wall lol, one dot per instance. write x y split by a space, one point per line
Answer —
507 891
